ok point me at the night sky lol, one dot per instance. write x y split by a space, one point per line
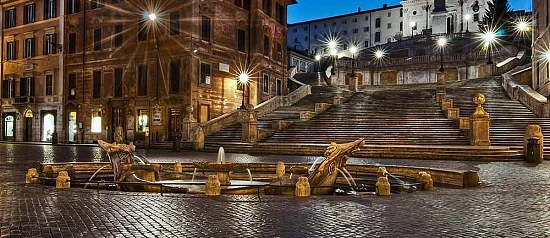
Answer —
314 9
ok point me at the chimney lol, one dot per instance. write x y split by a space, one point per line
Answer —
359 9
384 5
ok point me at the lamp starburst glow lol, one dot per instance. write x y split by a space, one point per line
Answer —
243 78
332 45
353 49
441 42
152 16
317 57
379 54
522 26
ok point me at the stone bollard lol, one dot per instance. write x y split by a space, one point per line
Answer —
63 180
302 187
70 170
381 172
178 168
47 172
534 152
212 186
32 176
383 186
426 182
280 169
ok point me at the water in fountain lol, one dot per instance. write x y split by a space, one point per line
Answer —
401 182
194 172
317 160
352 180
345 177
93 175
249 174
221 156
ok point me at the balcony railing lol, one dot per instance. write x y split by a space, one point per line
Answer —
23 100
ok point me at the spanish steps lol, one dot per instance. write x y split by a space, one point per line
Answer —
509 117
396 121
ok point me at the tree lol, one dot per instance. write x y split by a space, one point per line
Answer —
497 17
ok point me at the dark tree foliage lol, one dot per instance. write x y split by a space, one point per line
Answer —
497 17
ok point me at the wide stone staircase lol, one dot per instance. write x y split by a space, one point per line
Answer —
509 117
233 133
396 117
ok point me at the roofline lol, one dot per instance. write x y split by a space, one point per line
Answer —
345 15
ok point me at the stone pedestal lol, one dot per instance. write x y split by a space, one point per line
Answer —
479 123
250 128
533 131
178 168
197 136
333 80
302 187
280 169
63 181
188 123
353 83
453 113
446 104
70 171
383 186
212 186
31 176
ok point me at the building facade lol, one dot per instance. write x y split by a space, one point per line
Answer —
541 48
124 73
32 69
379 26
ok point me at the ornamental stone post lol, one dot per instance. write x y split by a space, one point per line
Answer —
250 127
479 123
353 83
303 188
63 181
383 186
280 169
31 176
212 186
188 123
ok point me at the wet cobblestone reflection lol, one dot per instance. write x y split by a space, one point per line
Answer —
512 202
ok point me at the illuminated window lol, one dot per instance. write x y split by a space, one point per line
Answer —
96 121
8 128
142 120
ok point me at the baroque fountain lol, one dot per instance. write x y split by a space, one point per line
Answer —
328 174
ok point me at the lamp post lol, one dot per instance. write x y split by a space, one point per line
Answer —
353 50
318 59
413 25
522 28
378 57
243 80
488 40
441 42
153 18
467 18
333 53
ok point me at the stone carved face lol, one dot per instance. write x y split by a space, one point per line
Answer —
479 99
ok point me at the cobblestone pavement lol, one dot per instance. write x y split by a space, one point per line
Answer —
512 202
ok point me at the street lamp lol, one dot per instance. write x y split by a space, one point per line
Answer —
378 54
488 41
441 42
153 17
334 53
467 18
318 59
243 80
353 50
413 25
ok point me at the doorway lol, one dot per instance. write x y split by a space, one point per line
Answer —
72 127
48 126
9 126
174 125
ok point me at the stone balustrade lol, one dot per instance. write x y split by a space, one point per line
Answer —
533 100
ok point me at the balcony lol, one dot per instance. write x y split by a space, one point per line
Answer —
23 100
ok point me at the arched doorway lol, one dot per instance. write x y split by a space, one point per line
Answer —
9 126
28 116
